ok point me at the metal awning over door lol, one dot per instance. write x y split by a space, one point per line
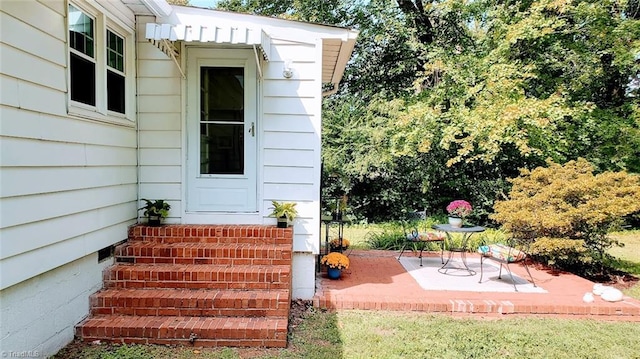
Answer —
163 37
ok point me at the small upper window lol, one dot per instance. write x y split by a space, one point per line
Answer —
82 57
115 73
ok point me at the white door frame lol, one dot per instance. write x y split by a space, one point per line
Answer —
195 58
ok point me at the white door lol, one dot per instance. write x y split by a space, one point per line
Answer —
221 130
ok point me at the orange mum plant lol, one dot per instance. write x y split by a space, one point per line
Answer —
335 243
335 260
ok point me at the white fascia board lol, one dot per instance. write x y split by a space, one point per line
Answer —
160 8
343 57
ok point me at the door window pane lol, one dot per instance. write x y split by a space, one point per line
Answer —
221 148
222 120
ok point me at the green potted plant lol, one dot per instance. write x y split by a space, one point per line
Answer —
284 212
155 210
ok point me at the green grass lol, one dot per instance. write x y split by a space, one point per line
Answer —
628 257
370 334
631 249
413 335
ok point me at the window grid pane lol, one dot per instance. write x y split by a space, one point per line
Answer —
115 51
81 32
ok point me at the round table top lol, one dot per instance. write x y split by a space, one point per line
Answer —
464 229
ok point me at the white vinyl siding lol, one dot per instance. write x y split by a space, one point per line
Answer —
68 184
160 120
291 114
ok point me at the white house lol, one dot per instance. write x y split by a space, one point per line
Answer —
105 102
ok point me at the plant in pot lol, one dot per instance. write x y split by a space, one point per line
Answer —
337 245
284 212
458 210
155 210
335 262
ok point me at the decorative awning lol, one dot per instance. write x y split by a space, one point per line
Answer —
198 25
164 35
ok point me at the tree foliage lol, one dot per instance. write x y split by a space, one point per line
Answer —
448 99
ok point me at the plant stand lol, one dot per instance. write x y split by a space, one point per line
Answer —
339 228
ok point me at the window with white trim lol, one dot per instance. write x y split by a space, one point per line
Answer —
82 64
115 73
98 65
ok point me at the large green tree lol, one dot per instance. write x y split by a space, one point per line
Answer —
447 99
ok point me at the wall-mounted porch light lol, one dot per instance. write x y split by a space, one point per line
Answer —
287 72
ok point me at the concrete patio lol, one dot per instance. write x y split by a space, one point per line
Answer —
376 280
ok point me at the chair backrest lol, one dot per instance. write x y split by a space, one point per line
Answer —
410 224
522 244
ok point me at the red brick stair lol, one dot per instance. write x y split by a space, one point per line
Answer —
196 285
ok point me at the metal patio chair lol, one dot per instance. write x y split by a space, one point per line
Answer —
515 251
415 238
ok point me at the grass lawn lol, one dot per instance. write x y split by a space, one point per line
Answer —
629 257
369 334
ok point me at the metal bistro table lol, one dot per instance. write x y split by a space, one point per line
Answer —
467 232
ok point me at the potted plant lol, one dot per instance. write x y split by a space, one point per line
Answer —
335 263
284 212
155 210
336 245
458 210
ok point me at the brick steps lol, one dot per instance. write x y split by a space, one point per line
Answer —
190 302
212 234
197 285
190 330
204 253
197 276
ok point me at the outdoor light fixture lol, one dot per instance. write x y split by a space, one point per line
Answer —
287 72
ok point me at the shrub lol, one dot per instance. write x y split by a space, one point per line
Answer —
561 252
569 201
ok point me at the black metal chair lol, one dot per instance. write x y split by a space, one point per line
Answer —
515 251
415 238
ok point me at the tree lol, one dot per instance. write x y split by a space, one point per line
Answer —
447 99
